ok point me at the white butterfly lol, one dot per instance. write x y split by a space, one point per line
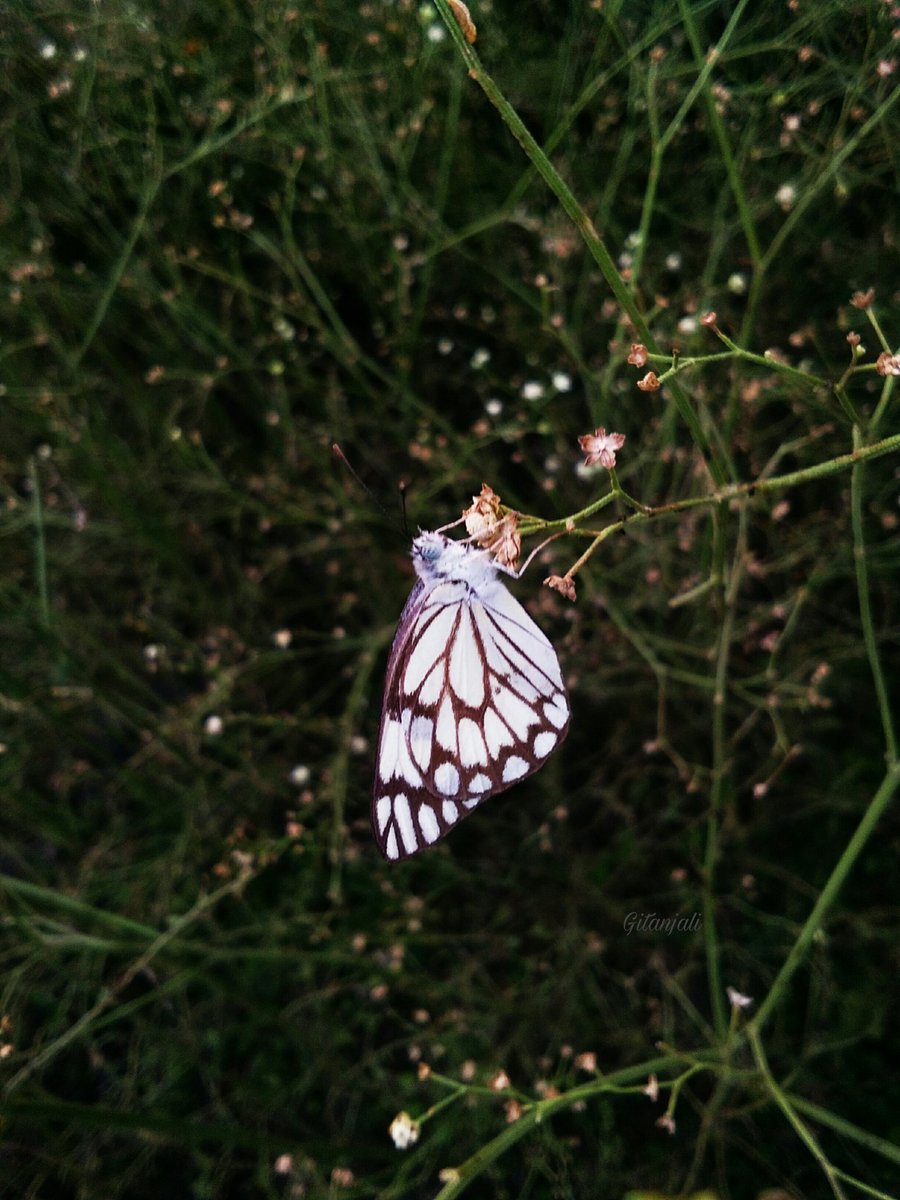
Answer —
474 698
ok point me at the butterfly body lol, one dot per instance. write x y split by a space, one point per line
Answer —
474 699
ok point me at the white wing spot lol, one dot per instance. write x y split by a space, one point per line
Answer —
514 768
390 749
466 673
515 712
556 712
480 783
433 685
428 823
430 645
446 779
471 744
446 725
383 813
390 847
472 802
544 743
496 733
404 820
420 735
450 811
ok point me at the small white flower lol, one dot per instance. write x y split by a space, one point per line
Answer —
786 196
493 407
561 381
404 1131
673 261
358 744
633 240
444 346
48 50
737 999
282 638
480 358
737 283
532 390
79 54
688 325
151 652
299 776
436 33
213 726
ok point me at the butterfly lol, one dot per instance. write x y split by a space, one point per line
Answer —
474 699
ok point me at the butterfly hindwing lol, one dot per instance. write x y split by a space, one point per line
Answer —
474 702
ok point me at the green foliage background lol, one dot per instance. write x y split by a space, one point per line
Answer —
233 232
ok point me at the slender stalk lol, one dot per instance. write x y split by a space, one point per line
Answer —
40 545
865 605
802 1131
828 894
459 1178
582 222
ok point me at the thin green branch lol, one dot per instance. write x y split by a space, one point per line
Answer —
582 222
800 1128
457 1179
828 894
865 606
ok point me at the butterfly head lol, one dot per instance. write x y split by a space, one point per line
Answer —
438 557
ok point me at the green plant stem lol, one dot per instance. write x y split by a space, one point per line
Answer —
800 1128
582 222
339 767
827 896
819 181
732 491
108 995
705 62
467 1172
846 1129
40 545
865 605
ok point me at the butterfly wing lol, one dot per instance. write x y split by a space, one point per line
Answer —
474 702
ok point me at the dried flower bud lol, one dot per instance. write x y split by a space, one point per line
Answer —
709 320
652 1088
505 543
638 355
650 382
863 299
667 1122
500 1082
464 20
888 364
562 584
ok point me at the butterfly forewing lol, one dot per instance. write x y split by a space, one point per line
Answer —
474 702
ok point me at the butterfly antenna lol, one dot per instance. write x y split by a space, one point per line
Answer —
338 453
402 487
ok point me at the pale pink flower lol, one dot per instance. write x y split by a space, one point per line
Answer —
737 999
600 447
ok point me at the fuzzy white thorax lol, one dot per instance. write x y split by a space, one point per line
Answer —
437 557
